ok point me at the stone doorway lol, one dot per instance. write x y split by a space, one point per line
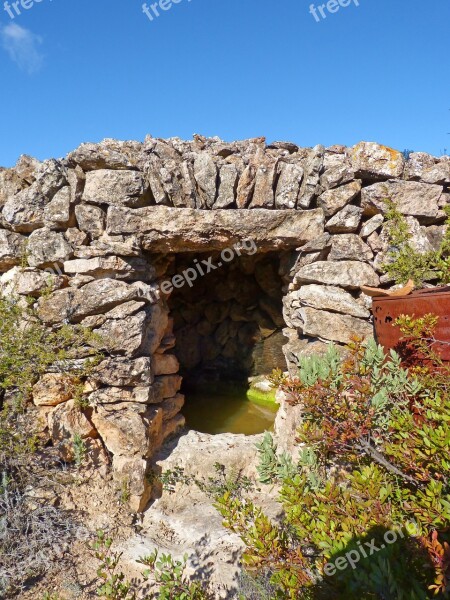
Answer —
227 326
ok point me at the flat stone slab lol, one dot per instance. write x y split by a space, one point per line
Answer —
167 229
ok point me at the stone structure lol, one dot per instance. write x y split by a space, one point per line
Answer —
101 229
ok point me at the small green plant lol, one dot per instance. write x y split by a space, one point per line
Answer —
79 450
271 466
114 585
405 262
169 574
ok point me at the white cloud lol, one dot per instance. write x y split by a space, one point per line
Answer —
22 45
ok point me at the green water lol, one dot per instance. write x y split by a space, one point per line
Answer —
226 409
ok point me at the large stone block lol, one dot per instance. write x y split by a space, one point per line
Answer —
346 274
12 249
333 326
168 229
374 161
121 188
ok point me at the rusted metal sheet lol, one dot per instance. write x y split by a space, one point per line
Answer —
436 301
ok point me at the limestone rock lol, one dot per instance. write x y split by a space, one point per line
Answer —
53 389
167 385
246 186
288 186
265 174
312 168
12 249
346 274
417 163
131 475
108 154
91 219
119 188
57 213
371 225
333 200
122 395
106 245
29 282
65 422
47 248
122 372
165 364
373 161
329 298
346 220
333 326
172 406
24 212
229 177
173 426
113 267
410 197
336 176
180 230
349 246
128 432
205 173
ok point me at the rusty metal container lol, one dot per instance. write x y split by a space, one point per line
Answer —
386 309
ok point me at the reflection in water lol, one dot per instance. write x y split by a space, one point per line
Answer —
226 409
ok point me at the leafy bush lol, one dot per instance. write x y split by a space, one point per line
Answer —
377 437
405 262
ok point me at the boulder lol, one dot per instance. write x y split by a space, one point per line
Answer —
90 219
349 246
122 372
12 249
411 198
373 161
118 188
346 220
108 154
183 229
346 274
333 200
57 213
332 326
328 298
288 186
47 248
24 212
53 389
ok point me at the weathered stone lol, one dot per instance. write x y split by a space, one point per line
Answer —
184 229
75 237
120 188
336 176
265 174
310 185
346 220
439 173
47 248
288 186
121 395
417 163
29 282
10 184
167 385
349 246
333 326
94 298
91 219
57 212
135 334
322 242
110 245
246 186
329 298
51 177
53 389
76 179
131 477
172 406
12 249
127 432
373 161
346 274
165 364
66 422
229 177
333 200
371 225
113 267
108 154
205 173
123 372
410 197
173 426
24 212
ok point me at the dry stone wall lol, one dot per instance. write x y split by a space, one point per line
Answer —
94 231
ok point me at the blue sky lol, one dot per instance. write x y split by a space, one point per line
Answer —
82 70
